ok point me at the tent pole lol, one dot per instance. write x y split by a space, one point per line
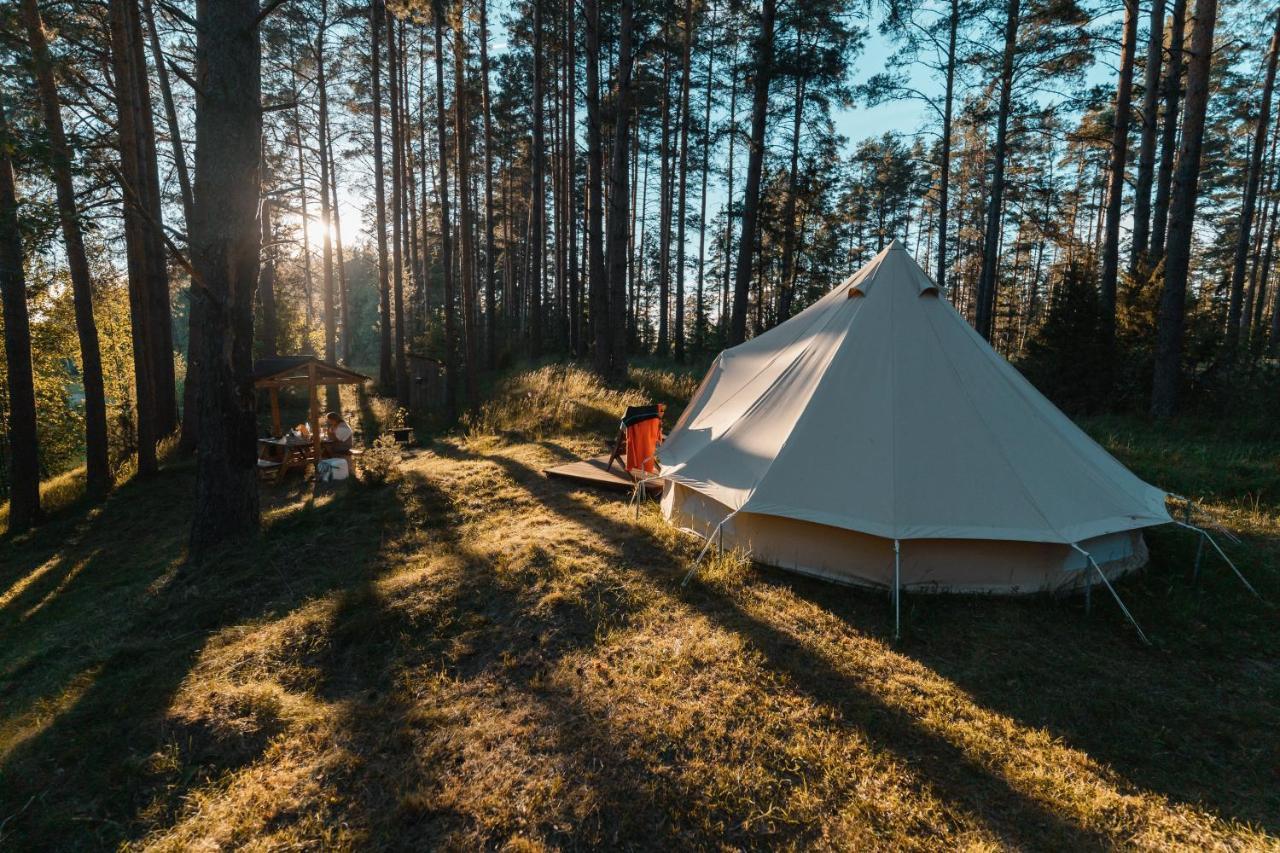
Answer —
1113 592
1204 534
719 529
897 590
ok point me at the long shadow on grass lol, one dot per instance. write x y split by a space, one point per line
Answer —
1193 720
379 653
90 777
954 776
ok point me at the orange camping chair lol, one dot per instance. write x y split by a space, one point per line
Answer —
639 434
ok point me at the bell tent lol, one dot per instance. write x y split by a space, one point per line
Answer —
876 439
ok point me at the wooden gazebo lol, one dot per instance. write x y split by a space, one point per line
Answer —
295 371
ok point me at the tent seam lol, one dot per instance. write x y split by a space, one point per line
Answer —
1017 476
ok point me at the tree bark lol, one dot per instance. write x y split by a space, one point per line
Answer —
944 167
465 228
1167 379
995 206
224 257
1253 178
1168 133
789 207
377 13
269 337
681 206
97 468
619 197
394 55
171 113
136 228
446 227
537 195
755 164
326 209
700 315
24 450
597 286
490 285
664 202
1147 147
1119 153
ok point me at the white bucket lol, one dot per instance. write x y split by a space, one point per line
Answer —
332 469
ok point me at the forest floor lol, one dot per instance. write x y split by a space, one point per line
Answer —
476 656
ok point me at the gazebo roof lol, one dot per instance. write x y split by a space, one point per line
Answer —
294 370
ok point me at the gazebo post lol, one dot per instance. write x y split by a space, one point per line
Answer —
315 408
275 412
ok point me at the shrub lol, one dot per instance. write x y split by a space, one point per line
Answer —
381 462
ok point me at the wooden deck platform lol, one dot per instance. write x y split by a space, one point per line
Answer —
596 472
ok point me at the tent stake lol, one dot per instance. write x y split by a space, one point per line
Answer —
1113 592
897 590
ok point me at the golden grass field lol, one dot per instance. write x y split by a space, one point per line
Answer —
474 656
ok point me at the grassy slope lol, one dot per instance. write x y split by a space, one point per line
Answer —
478 656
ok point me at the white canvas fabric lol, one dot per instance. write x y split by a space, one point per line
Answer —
879 410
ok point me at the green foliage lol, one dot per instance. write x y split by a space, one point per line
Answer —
1069 359
380 462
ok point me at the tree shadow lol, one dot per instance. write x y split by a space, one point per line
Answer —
1193 719
951 773
109 754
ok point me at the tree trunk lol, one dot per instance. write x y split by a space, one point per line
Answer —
376 15
1167 379
1240 260
490 286
170 112
446 227
664 202
681 211
397 208
537 196
1147 147
727 253
944 167
308 283
224 257
97 468
619 198
1119 153
270 335
24 451
1168 133
136 228
789 207
326 210
597 286
700 311
755 164
995 206
462 117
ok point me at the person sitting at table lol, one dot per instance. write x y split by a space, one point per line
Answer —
338 442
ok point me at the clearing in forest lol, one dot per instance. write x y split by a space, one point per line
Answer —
475 656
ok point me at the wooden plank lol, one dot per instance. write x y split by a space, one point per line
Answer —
596 472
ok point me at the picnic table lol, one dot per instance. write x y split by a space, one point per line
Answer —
285 454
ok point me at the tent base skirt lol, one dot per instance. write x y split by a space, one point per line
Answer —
974 566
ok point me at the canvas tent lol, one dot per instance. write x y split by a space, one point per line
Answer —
876 439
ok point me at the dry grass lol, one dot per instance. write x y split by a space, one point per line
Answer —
477 657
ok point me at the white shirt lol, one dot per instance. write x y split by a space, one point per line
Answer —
341 432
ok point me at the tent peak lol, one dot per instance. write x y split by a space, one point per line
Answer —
895 264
